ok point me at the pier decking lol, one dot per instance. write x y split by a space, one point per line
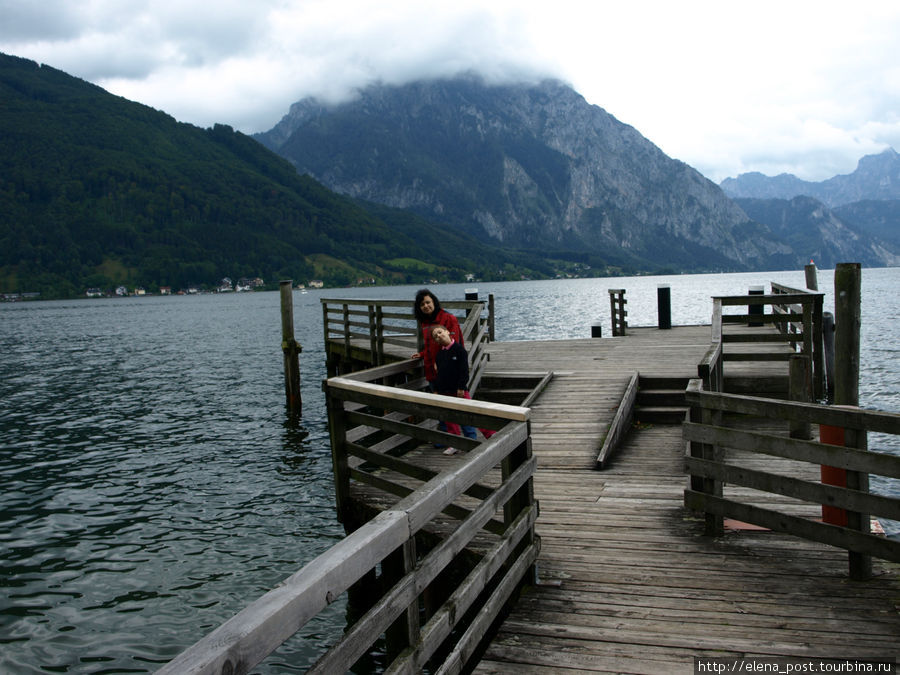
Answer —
627 581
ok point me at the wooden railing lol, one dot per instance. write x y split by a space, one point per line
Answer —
617 311
419 618
798 316
722 449
371 426
808 331
378 325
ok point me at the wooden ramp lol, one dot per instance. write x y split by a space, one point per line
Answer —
628 582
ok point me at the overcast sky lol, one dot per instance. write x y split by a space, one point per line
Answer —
729 87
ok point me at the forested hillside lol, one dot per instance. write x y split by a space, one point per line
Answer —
97 191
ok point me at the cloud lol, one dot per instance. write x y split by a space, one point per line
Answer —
804 87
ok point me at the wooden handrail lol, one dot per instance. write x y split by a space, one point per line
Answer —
796 313
251 635
363 319
714 437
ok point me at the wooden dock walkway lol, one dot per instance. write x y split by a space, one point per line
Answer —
634 568
628 582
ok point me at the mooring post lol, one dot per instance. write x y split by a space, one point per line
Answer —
847 313
664 306
291 349
812 281
847 284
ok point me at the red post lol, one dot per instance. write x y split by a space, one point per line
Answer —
832 475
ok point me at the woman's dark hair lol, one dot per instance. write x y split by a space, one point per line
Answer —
418 301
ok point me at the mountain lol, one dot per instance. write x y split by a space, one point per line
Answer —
811 228
98 191
524 165
879 219
877 177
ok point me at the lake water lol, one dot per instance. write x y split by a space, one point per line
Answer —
153 485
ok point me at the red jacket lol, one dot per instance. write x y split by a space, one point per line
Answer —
448 321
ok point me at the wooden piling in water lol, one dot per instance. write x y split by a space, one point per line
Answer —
291 349
847 313
847 302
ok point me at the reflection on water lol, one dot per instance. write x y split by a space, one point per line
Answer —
153 483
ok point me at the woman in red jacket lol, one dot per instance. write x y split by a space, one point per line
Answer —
427 309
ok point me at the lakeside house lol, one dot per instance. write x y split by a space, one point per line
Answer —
245 284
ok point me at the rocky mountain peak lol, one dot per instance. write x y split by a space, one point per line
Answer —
877 177
529 165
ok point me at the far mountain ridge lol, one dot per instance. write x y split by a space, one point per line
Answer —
827 237
876 178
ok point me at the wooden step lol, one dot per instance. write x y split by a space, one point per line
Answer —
661 397
661 382
660 414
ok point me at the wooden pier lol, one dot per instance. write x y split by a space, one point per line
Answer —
627 581
596 531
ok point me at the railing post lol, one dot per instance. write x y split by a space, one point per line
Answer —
491 316
379 333
291 349
404 632
373 337
715 524
522 499
860 564
799 388
756 309
828 348
337 430
347 330
818 364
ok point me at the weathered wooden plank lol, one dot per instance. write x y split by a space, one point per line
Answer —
429 400
620 423
254 632
819 493
797 449
833 535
